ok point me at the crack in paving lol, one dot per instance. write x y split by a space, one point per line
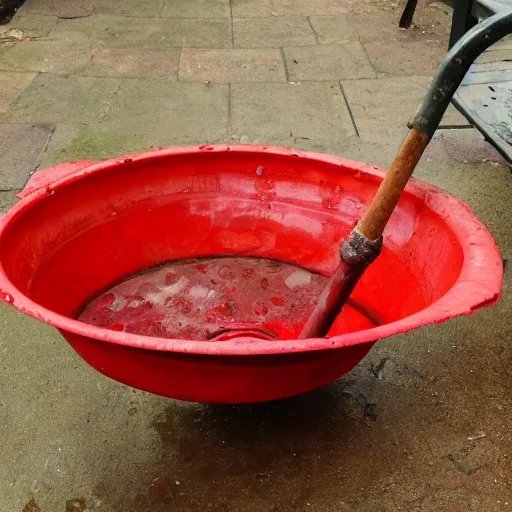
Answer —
350 113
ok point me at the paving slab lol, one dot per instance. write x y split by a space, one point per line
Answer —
156 34
311 110
31 25
7 200
334 29
196 9
308 7
113 139
58 56
65 99
453 118
384 104
373 26
144 115
234 65
59 9
182 111
374 150
251 9
8 40
133 63
388 103
11 86
468 146
132 8
401 58
84 8
169 33
20 147
346 61
101 141
273 32
62 146
95 24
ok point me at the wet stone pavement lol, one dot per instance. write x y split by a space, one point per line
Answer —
421 424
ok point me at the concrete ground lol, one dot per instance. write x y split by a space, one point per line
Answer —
422 424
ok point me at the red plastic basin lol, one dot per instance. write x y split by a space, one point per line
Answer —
80 228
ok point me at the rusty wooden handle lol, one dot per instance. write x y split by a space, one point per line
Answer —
376 217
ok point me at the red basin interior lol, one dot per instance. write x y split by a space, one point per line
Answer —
79 232
77 242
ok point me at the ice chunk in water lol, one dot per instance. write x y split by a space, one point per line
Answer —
200 292
298 278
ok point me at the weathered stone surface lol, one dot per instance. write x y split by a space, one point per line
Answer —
134 63
333 29
308 110
59 9
60 99
375 150
132 8
76 27
196 9
389 103
401 58
58 149
308 7
453 117
273 32
251 9
146 114
235 65
20 147
84 8
172 33
7 199
368 26
344 61
11 86
31 25
158 34
100 141
178 111
384 104
58 56
468 146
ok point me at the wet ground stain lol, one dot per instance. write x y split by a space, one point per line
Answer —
31 506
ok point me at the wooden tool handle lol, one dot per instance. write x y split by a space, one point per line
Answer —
376 217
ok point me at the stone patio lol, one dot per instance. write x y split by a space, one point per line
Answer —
422 424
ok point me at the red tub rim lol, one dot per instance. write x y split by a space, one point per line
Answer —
478 285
